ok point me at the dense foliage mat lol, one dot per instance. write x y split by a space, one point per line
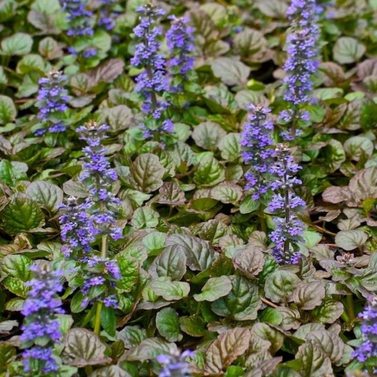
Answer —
170 198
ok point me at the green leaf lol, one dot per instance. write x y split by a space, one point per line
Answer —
248 205
329 342
249 260
280 286
171 262
198 253
46 194
194 326
145 217
208 135
65 322
8 111
117 117
315 363
129 268
7 354
167 323
271 315
21 214
110 371
150 348
7 10
214 288
132 336
170 290
82 348
15 304
230 146
154 242
242 302
108 320
348 50
16 286
147 173
231 72
50 49
209 172
273 8
354 146
269 333
350 239
309 295
225 349
17 44
46 6
76 302
329 312
17 266
227 192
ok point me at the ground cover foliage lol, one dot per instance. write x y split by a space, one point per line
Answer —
131 228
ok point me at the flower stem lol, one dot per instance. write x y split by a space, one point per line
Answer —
350 309
97 323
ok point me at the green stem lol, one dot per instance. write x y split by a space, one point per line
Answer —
350 310
88 370
97 323
262 219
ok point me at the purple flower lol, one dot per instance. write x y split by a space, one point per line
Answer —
52 101
180 41
40 327
256 141
301 63
79 18
367 352
98 176
175 364
107 17
288 229
75 224
152 82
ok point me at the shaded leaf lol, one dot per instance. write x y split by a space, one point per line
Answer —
82 348
225 349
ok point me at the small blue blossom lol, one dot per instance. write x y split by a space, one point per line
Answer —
79 18
107 17
40 327
175 365
98 177
301 64
367 352
288 229
52 102
256 141
152 82
180 42
75 227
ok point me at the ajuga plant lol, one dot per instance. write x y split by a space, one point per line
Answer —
107 16
152 82
175 365
256 142
40 327
288 228
180 42
300 65
80 21
367 352
93 222
273 169
52 102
